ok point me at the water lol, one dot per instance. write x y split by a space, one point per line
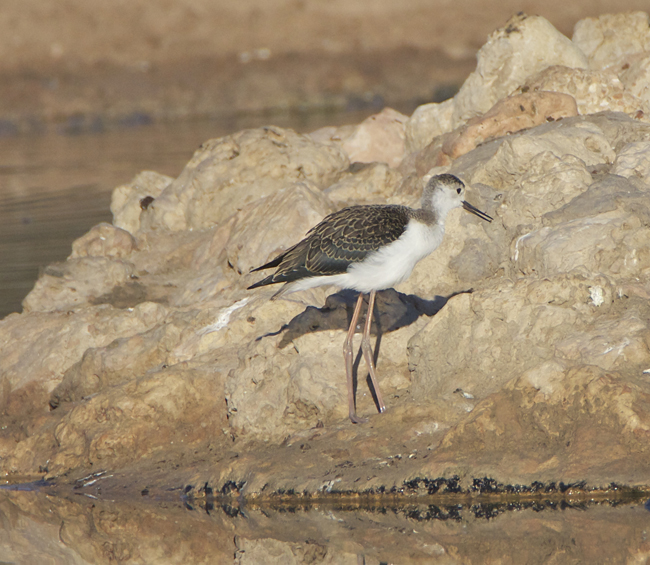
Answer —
36 527
54 187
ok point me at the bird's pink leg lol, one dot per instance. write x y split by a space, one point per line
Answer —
368 354
348 356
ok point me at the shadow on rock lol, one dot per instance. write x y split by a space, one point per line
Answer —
393 310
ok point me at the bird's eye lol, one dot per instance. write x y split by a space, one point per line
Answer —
459 190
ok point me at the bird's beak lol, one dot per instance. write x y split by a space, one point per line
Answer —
467 206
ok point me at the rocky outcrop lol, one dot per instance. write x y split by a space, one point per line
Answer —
518 351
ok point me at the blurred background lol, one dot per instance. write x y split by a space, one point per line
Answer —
92 92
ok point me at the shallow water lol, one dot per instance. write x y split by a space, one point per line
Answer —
55 186
37 527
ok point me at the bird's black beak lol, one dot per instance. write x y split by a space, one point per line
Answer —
467 206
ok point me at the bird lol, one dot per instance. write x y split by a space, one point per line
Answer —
368 248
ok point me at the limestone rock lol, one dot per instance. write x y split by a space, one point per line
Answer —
104 240
573 318
602 230
633 160
129 200
226 174
594 91
524 46
76 283
379 138
503 162
635 76
427 122
510 115
272 224
608 39
61 338
371 183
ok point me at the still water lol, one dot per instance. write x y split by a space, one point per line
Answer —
55 186
76 528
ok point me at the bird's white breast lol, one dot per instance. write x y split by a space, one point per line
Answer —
393 264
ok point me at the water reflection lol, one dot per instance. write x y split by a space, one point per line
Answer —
54 187
39 528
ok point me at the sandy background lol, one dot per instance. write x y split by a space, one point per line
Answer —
134 61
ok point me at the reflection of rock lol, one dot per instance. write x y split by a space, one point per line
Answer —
532 368
148 528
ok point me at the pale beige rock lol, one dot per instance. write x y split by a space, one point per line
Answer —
602 230
510 115
371 183
379 138
272 224
519 354
524 46
127 200
495 334
550 182
503 162
633 160
61 338
117 421
306 382
594 91
610 38
635 76
426 122
76 283
226 174
558 416
104 240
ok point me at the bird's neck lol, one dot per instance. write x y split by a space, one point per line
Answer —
428 217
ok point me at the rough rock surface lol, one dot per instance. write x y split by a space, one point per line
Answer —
519 351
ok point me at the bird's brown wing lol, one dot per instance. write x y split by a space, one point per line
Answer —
342 238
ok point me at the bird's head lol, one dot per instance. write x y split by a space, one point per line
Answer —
443 193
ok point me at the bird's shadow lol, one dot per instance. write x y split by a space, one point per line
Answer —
393 310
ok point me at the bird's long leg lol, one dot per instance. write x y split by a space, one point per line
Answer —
348 356
367 351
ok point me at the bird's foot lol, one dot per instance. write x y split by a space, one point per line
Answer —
358 419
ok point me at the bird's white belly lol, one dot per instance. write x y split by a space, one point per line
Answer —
393 264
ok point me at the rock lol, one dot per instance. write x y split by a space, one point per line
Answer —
76 283
533 320
272 224
510 115
633 160
427 122
104 240
61 338
129 200
226 174
524 46
379 138
610 38
594 91
302 387
371 183
635 76
502 163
